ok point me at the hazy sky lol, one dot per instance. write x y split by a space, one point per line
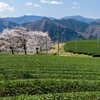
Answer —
51 8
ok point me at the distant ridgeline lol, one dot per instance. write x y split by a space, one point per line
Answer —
89 47
70 27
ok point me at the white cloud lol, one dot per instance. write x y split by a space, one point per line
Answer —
51 2
29 14
37 5
75 3
4 7
31 4
75 7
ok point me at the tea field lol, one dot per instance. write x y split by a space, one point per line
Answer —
89 47
40 77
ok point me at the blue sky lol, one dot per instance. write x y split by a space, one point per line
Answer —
50 8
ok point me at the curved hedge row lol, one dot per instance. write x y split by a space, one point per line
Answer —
60 96
89 47
33 87
40 74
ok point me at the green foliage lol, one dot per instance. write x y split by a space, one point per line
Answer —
41 74
33 87
60 96
89 47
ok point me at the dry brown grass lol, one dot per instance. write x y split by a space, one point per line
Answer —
62 51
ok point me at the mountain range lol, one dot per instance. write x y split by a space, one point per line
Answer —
70 26
26 19
80 18
6 24
46 24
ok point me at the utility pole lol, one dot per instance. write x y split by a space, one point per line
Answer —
58 39
98 40
46 46
61 41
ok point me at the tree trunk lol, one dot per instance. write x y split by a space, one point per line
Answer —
25 50
12 51
37 52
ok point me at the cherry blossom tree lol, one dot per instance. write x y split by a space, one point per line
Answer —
8 40
39 40
20 39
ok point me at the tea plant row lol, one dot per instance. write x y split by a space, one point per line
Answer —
89 47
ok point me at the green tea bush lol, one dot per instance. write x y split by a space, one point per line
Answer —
33 87
89 47
41 74
60 96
